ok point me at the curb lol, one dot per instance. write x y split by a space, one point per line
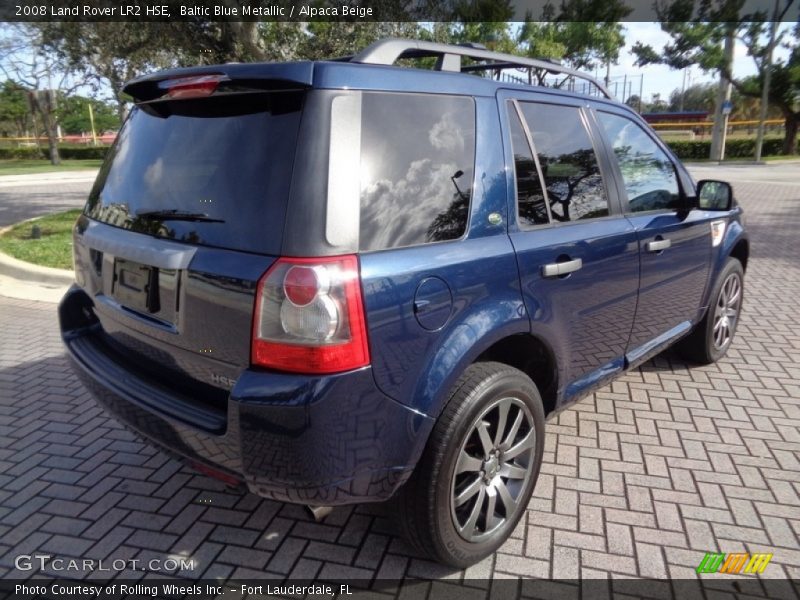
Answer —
19 269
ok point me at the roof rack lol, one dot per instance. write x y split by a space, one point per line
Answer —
448 58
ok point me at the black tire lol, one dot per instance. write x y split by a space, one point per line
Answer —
427 506
702 345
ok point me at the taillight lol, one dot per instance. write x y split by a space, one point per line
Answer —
309 316
192 87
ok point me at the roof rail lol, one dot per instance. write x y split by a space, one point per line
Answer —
390 50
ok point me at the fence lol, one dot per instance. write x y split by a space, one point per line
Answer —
105 139
702 129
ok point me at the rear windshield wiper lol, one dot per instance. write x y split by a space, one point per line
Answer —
177 215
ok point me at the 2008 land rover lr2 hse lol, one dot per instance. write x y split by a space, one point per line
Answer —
348 281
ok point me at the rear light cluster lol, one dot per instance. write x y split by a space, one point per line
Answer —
309 316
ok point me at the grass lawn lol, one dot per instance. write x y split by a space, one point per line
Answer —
53 249
24 166
779 158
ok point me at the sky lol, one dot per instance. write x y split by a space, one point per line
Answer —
660 78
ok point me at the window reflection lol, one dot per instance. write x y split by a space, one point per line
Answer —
417 155
572 176
649 176
531 204
227 160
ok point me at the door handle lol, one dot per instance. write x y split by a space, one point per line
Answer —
658 245
561 268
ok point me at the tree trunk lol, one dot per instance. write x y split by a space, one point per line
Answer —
790 139
41 102
52 137
48 109
122 110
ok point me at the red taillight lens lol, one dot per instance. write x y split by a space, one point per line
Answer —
192 87
301 285
309 316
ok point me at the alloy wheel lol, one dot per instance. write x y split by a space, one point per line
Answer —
493 467
726 311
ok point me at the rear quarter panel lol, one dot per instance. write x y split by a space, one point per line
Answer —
417 366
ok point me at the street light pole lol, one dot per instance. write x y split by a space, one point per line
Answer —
683 92
641 91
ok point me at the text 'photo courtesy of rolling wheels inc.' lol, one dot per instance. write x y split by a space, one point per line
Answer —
399 299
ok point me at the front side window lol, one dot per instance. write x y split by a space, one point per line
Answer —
575 188
649 176
417 163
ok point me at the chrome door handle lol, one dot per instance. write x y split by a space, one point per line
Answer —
561 268
658 245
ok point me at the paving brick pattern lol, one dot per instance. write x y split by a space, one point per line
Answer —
641 479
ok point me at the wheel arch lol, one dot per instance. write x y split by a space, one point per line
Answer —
741 252
534 357
735 244
510 345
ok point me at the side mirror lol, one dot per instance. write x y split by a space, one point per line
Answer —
714 195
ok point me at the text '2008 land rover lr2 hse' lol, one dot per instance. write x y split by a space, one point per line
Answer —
347 281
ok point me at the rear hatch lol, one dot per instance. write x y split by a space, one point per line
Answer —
186 214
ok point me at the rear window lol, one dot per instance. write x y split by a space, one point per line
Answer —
417 157
212 171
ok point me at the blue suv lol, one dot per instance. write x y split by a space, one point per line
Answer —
348 281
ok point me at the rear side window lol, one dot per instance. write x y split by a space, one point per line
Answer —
649 176
212 171
417 161
575 188
531 204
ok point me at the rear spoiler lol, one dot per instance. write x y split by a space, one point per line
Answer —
266 76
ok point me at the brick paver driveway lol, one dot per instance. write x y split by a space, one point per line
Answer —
640 479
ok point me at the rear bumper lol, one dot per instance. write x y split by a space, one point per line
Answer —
325 440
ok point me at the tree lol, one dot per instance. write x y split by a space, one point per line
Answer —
282 39
74 117
110 53
484 22
635 102
14 113
583 33
327 39
696 39
26 61
699 96
657 104
784 93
